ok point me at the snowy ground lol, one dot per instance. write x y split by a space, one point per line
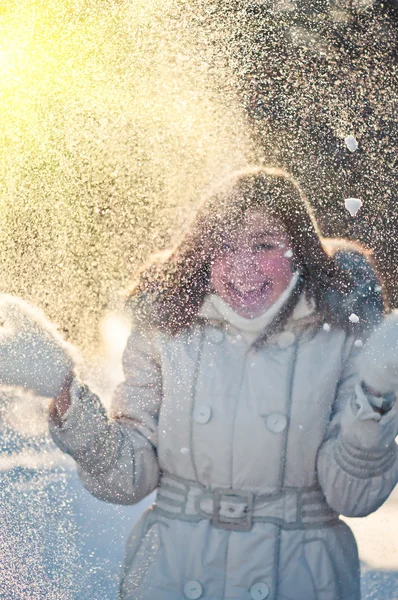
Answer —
377 537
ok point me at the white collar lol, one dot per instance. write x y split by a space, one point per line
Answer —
215 307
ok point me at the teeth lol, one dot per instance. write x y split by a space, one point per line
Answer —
243 290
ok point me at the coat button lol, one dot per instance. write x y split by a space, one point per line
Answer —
286 339
259 591
202 414
276 422
193 590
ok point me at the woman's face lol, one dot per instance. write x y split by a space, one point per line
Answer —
254 265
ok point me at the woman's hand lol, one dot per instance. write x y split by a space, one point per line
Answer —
379 361
32 353
60 405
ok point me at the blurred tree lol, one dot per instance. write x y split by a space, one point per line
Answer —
308 74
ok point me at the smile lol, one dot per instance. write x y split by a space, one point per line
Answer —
248 292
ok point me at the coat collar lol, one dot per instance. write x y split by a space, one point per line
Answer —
294 314
217 309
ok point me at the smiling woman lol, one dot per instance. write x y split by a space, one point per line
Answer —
243 409
253 267
257 425
223 249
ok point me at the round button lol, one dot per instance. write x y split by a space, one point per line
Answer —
202 414
259 591
193 590
286 339
276 422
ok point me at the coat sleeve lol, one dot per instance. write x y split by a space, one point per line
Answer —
116 454
358 461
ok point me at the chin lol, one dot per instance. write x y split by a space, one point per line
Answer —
249 313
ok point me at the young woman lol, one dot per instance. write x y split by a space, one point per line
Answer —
248 403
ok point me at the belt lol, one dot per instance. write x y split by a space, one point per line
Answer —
237 510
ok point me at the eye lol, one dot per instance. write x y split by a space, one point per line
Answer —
264 246
226 247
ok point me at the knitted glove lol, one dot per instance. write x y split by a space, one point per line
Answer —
32 353
379 361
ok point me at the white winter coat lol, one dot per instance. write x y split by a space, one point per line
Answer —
274 437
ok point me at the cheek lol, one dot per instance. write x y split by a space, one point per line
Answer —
219 271
276 267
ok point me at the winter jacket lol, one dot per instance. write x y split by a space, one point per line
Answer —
256 449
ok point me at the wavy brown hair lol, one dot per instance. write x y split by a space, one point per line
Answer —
169 291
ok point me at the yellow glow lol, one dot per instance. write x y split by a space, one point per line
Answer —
110 125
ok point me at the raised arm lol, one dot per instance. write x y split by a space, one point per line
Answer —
358 461
116 455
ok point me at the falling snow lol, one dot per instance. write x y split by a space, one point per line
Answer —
353 205
351 143
353 318
115 117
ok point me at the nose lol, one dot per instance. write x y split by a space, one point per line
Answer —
244 265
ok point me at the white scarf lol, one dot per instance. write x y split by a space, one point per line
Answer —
215 307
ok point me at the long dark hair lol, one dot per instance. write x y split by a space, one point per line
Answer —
169 291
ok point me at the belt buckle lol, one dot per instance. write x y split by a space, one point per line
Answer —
230 526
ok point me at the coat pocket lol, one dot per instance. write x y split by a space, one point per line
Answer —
322 569
142 550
